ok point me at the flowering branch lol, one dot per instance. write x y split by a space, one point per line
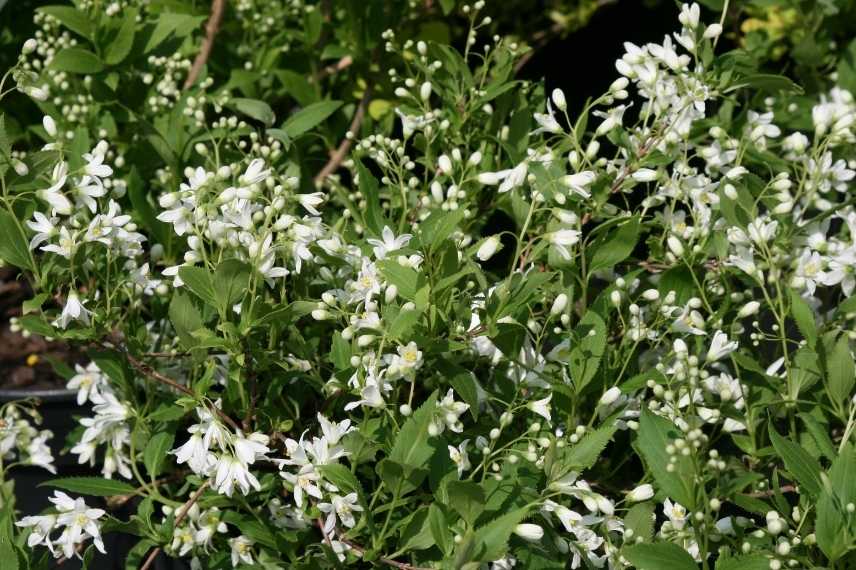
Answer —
147 370
342 150
211 29
182 514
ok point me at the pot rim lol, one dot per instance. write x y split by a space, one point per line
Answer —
44 394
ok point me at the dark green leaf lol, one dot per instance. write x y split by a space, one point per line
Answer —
156 452
309 117
655 433
659 556
617 247
76 60
93 486
258 110
13 243
799 463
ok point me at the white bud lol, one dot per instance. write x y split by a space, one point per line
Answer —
487 249
749 309
675 246
445 164
30 46
641 493
425 91
489 178
49 125
530 532
610 396
391 293
712 31
559 304
559 101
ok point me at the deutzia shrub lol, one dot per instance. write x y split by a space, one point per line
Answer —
446 321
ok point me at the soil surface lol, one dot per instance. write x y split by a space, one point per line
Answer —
25 360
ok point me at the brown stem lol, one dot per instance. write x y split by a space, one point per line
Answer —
342 151
359 549
340 65
147 370
182 514
211 29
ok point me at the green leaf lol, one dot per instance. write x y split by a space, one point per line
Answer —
93 486
167 413
440 527
770 83
467 498
841 373
13 243
8 555
617 247
584 454
799 463
405 279
340 352
258 110
156 452
75 20
309 117
402 326
185 318
752 562
659 556
847 68
121 45
231 279
200 281
413 446
492 539
76 60
342 477
368 185
170 23
640 518
804 317
416 535
439 226
655 433
833 522
588 349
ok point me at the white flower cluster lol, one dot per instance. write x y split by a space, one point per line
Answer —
22 443
215 452
77 521
243 216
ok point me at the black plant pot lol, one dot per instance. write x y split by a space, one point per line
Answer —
59 410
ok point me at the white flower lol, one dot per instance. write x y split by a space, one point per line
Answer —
73 311
95 166
242 551
80 522
333 431
44 228
52 195
541 407
579 182
195 453
88 382
309 201
341 507
676 514
720 347
255 173
460 457
641 493
231 471
562 240
389 243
